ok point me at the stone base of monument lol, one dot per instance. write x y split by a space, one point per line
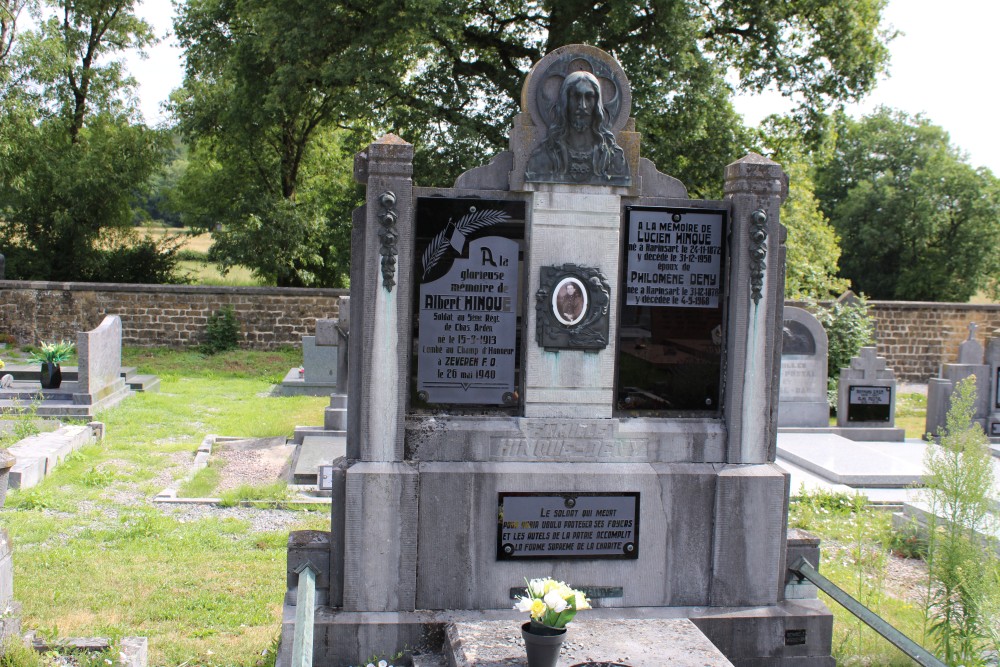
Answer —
791 633
295 384
635 642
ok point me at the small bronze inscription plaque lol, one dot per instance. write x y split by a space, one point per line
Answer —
568 525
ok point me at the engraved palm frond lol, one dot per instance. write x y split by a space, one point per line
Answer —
470 222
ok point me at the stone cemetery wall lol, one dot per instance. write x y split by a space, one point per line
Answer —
161 315
915 338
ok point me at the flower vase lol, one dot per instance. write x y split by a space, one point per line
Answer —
51 375
542 644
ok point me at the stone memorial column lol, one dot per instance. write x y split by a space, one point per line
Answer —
755 187
751 492
379 548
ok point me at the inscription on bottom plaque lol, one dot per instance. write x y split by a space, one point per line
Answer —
568 525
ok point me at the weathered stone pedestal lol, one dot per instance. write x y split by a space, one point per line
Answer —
690 518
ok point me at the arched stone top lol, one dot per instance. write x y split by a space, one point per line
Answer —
541 88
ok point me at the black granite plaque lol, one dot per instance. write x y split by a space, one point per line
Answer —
468 327
994 429
996 386
468 303
674 257
869 404
568 525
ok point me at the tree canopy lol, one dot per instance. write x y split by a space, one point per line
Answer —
917 221
74 150
269 81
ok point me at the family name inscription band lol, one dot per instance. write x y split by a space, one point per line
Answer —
468 327
674 257
571 525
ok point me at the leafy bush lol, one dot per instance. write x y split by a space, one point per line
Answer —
128 259
222 332
848 327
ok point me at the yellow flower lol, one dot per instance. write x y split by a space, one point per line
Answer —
1 364
537 609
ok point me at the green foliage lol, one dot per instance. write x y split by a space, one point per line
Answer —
848 328
15 652
961 605
812 246
676 56
72 156
916 221
267 494
125 257
222 332
58 193
52 353
280 94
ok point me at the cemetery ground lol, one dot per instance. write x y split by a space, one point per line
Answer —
95 556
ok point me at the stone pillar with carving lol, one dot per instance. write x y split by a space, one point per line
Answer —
379 541
755 187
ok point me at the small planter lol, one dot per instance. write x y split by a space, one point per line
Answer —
51 375
542 644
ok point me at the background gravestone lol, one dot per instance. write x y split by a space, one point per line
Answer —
802 396
993 403
866 397
970 362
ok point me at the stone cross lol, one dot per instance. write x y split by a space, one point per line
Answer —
869 365
972 330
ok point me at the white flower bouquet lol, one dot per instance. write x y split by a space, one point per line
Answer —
551 603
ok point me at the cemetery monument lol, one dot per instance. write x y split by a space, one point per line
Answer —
802 397
972 360
562 366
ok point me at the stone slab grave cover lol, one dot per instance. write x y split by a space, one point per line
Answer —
802 395
628 424
972 361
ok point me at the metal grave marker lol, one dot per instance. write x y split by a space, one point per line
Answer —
674 257
568 525
468 316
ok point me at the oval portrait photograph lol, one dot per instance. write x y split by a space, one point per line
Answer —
569 301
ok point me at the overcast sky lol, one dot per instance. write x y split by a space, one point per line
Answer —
942 66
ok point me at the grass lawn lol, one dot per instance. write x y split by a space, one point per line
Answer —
93 555
856 555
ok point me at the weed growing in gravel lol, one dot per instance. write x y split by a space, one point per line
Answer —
268 493
962 571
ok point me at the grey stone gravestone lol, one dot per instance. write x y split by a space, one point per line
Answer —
99 360
802 397
971 362
992 359
659 493
866 397
321 361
